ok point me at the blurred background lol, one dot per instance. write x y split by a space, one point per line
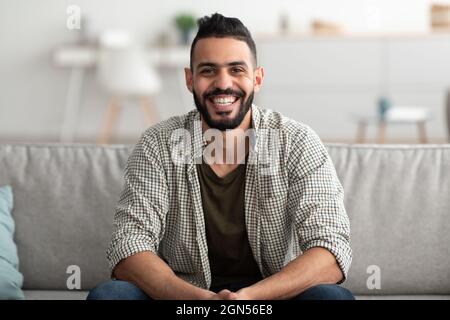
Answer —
101 71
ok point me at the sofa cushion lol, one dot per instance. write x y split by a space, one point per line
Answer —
10 278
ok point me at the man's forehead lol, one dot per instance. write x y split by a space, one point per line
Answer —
221 51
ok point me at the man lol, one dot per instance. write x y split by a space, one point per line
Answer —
245 220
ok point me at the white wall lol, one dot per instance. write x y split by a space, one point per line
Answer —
33 90
327 82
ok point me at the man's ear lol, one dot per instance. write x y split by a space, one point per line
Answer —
258 79
189 79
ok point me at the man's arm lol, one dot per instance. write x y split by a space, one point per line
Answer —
151 274
315 266
139 227
316 206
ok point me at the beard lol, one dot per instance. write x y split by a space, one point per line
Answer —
226 124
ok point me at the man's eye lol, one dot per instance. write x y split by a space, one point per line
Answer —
236 70
206 71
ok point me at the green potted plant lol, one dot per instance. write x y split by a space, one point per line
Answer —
185 23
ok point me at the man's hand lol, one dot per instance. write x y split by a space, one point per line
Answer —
229 295
225 295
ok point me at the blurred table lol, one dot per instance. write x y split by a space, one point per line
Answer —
417 116
80 58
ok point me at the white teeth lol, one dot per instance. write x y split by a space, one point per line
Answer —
225 101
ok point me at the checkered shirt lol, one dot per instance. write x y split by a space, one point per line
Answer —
293 202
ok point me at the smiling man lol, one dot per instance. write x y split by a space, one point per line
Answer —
220 224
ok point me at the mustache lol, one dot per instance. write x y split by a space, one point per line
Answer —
229 91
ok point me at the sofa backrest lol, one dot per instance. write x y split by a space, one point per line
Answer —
397 198
64 198
398 201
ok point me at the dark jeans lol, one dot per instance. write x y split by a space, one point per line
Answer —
122 290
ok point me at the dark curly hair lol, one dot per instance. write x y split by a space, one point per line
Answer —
218 26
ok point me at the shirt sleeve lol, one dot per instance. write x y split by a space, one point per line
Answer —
139 220
317 200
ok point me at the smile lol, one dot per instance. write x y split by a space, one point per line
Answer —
223 102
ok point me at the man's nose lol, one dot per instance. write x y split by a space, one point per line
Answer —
223 80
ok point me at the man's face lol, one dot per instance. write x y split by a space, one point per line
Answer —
223 81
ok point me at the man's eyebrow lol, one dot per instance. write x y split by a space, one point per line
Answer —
215 65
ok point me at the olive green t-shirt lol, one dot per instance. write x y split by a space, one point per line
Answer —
230 256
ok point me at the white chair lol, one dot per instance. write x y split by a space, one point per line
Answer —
124 72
